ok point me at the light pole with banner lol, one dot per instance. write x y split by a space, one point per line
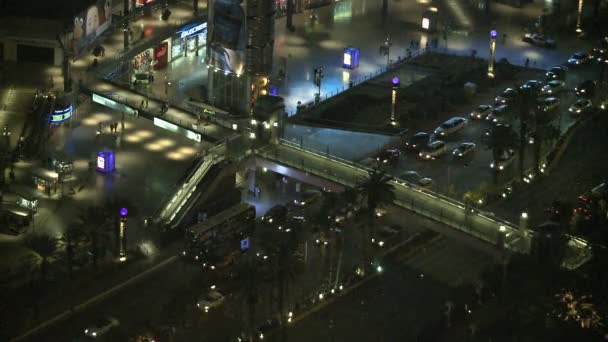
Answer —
318 77
122 238
493 35
396 82
579 17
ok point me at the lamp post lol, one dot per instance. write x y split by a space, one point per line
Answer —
396 83
579 17
318 77
122 238
493 35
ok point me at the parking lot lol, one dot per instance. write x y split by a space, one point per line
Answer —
458 175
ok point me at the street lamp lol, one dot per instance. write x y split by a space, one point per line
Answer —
318 77
122 239
396 83
579 17
493 35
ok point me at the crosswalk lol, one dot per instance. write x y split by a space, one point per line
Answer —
444 260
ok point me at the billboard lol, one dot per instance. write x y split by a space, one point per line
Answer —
228 39
90 24
161 56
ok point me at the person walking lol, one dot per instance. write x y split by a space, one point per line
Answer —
146 103
527 62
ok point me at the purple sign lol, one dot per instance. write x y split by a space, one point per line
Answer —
123 212
395 80
493 34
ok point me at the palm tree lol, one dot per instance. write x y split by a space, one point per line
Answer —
377 190
524 103
45 247
95 225
544 132
499 141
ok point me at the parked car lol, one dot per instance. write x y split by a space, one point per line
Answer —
464 149
503 161
276 214
211 299
389 156
507 96
553 87
598 53
556 73
533 85
586 89
415 178
417 141
383 233
452 125
481 111
307 197
433 150
581 106
549 104
101 327
494 124
539 40
579 58
498 113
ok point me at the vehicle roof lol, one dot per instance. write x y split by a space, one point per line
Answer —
436 143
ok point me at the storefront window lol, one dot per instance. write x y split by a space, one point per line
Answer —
177 49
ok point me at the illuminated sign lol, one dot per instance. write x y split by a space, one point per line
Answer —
61 115
101 162
112 104
105 161
176 129
426 23
350 59
192 30
347 59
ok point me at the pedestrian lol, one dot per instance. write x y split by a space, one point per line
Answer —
527 62
141 105
504 38
122 124
146 103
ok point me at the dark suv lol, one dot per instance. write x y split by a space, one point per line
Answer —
586 89
418 141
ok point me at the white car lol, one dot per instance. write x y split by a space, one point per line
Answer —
415 178
101 327
539 40
433 150
503 161
553 87
481 112
464 149
452 125
581 106
210 300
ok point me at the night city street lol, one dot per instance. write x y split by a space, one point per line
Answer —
303 170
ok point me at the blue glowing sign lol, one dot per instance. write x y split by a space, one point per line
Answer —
105 161
60 115
192 29
245 244
350 58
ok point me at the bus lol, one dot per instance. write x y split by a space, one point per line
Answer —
221 233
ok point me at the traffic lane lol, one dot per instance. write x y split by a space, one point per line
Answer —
378 310
134 306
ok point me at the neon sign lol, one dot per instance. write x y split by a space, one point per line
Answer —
189 30
61 115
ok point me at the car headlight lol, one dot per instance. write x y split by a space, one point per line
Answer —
94 333
460 154
501 167
492 165
578 110
86 331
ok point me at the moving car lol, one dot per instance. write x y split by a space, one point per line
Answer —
549 104
464 149
389 156
581 106
452 125
433 150
553 87
383 233
481 111
507 96
210 300
503 161
498 113
276 214
418 141
101 327
579 58
538 40
415 178
306 198
556 73
586 89
533 85
494 124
